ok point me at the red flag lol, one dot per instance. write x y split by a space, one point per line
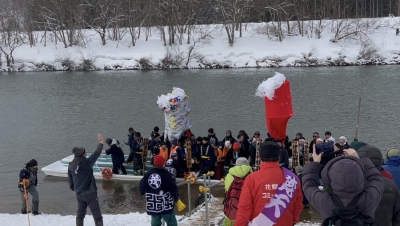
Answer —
278 105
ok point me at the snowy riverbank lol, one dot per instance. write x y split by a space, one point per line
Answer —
348 42
109 220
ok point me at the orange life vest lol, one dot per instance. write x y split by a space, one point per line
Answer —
174 149
221 154
164 153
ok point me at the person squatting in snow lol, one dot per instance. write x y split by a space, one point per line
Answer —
83 183
161 193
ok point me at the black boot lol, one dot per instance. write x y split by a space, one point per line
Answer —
36 213
98 222
79 221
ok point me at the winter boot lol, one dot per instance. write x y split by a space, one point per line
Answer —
98 222
36 213
79 221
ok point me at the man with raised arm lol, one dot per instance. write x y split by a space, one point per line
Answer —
83 184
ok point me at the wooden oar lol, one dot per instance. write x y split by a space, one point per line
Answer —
358 117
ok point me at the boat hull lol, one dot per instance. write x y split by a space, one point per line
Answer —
60 169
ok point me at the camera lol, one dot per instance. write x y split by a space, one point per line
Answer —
324 147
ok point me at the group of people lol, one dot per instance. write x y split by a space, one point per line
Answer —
350 185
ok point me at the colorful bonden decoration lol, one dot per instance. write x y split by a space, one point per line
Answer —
278 105
176 109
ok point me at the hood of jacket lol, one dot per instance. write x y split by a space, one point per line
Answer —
240 171
373 153
393 161
345 175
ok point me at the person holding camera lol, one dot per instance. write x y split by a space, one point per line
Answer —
354 186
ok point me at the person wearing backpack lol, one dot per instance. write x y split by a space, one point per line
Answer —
353 193
233 186
271 195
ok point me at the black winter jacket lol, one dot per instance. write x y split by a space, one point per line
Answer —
80 173
161 191
117 155
28 173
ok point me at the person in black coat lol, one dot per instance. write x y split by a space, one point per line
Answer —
29 172
131 139
161 193
284 158
117 156
388 211
83 184
173 166
229 137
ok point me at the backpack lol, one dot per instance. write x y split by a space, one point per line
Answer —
348 216
232 196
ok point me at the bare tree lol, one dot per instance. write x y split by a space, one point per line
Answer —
101 15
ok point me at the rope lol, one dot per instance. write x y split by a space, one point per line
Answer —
25 183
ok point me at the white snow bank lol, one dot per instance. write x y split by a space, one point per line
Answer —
141 219
52 220
268 87
252 50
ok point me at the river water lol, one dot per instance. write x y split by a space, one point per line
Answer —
44 115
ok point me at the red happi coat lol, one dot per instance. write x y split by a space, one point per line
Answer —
256 194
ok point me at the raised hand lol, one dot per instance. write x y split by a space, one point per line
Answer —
100 137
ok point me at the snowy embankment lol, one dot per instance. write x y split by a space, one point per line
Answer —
109 220
325 43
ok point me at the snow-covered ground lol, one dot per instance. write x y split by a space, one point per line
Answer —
253 49
109 220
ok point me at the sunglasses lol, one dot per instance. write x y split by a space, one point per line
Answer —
315 136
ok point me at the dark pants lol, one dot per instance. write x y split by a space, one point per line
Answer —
130 157
35 199
169 219
138 161
220 171
116 169
205 166
91 201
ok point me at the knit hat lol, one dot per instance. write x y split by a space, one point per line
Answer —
158 160
302 139
299 169
236 146
227 143
206 139
343 137
108 141
78 152
211 130
356 145
137 134
393 152
270 149
242 161
319 139
199 139
212 141
221 144
32 162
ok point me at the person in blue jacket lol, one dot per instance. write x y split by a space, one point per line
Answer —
393 165
207 156
161 193
173 166
117 156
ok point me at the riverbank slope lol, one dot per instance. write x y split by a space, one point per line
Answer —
322 43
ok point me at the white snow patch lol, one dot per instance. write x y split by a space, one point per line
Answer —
109 220
268 87
51 220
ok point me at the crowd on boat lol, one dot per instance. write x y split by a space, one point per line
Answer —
351 185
